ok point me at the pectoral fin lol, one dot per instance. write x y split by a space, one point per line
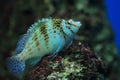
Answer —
33 61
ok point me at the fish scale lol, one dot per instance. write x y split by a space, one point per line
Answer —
46 36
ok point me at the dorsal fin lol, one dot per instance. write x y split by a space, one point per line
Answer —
33 27
23 39
36 24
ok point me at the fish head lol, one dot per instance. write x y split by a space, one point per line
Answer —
74 25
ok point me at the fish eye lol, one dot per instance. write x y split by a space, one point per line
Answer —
70 21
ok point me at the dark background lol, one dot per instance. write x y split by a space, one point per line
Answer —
17 15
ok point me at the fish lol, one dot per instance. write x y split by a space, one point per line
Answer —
47 36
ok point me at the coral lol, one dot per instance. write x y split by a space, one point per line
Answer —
75 63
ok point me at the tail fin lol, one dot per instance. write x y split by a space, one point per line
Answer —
15 65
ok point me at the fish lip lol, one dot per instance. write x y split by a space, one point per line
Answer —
76 24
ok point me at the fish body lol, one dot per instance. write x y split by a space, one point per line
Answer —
46 36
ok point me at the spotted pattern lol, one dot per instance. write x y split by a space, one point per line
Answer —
30 51
69 27
21 43
35 37
57 25
15 65
36 42
43 31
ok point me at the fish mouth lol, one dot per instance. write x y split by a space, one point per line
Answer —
76 24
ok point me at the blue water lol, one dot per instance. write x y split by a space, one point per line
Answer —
113 13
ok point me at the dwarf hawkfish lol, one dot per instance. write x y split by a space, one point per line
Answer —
47 36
